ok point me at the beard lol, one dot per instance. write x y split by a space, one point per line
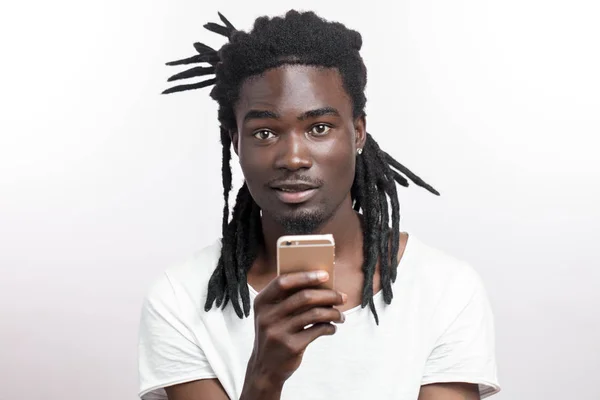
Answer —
302 222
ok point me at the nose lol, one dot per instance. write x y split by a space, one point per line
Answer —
293 152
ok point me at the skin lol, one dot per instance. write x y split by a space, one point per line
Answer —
287 128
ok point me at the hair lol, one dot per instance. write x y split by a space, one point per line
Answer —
306 39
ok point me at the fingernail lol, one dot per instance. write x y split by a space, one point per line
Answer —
343 317
344 297
321 275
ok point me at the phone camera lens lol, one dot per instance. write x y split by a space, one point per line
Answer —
288 243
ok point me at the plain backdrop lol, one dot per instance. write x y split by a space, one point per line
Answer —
104 183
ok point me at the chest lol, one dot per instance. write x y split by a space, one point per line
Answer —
356 364
362 360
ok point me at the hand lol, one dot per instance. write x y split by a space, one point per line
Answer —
282 310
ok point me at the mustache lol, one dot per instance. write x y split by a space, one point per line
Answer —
296 178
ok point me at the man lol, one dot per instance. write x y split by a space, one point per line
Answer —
224 326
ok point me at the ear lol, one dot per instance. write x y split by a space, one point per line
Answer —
234 136
360 132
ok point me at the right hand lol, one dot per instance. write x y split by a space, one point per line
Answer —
281 312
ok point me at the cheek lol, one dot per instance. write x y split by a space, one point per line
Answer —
338 162
347 167
255 165
251 171
250 161
253 175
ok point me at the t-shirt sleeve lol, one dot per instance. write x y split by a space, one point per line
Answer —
168 353
465 351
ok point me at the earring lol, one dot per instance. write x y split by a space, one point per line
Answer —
359 151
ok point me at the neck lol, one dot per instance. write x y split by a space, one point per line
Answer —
344 225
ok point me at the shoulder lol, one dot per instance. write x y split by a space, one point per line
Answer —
444 279
185 280
436 265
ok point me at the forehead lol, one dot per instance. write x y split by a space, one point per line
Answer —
294 88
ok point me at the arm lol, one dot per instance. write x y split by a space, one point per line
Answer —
282 310
449 391
211 389
206 389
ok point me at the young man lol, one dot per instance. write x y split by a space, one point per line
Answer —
224 326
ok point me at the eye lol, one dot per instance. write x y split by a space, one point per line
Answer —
320 130
263 135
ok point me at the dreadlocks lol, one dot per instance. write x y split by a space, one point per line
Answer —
296 38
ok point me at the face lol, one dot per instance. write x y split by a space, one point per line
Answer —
296 143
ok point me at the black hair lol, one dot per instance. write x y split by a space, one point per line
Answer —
307 39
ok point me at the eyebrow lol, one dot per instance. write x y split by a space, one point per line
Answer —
260 114
319 112
264 114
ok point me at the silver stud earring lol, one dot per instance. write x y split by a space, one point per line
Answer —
359 151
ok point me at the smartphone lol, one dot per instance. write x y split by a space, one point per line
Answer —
298 253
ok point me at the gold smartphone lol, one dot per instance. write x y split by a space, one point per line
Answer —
298 253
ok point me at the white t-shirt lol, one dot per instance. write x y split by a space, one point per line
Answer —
438 328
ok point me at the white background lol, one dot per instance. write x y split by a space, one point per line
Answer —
104 183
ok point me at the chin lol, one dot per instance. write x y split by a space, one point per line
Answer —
301 221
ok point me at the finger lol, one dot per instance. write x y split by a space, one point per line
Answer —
280 287
314 316
306 299
308 335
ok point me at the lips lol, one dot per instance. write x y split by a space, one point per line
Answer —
294 192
